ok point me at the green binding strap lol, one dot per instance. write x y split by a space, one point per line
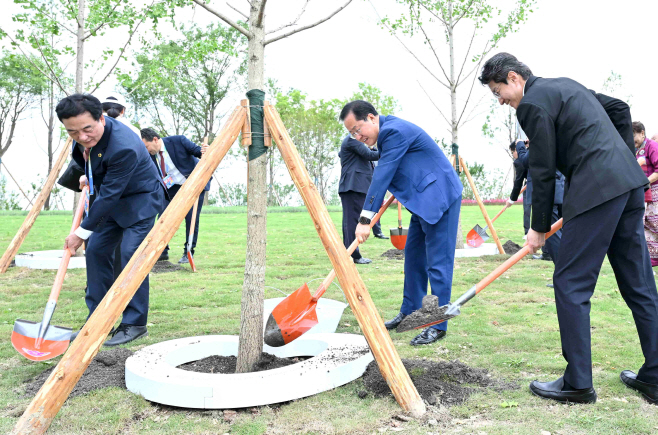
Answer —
256 100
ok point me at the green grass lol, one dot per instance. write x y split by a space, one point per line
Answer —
510 328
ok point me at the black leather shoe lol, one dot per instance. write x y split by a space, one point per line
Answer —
363 260
554 391
648 391
429 335
184 260
381 236
393 323
549 285
164 256
125 334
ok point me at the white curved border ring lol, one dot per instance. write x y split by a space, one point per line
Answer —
47 260
151 372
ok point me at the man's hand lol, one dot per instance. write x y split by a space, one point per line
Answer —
509 203
535 240
83 181
204 149
72 243
362 232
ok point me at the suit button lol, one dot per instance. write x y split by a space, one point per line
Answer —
372 199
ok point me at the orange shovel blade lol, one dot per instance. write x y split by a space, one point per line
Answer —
191 260
473 239
48 349
399 237
291 318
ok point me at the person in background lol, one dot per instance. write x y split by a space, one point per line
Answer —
647 157
115 106
520 176
176 157
655 137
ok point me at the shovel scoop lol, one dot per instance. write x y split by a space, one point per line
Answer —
43 341
431 314
296 314
478 235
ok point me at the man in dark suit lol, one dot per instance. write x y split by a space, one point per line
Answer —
414 169
520 176
355 176
128 194
603 212
176 157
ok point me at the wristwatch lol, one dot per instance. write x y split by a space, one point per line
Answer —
364 220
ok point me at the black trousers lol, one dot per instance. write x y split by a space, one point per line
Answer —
173 190
352 205
614 228
552 246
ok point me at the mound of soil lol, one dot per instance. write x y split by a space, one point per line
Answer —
227 364
166 266
108 369
394 254
438 382
511 248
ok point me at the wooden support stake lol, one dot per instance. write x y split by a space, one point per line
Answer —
267 137
355 290
246 127
44 406
15 244
481 204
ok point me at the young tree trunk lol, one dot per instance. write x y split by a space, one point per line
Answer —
79 67
51 127
251 312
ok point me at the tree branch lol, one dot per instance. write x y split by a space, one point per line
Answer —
261 12
293 22
468 98
224 18
429 42
477 65
103 22
292 32
442 19
57 22
437 107
466 8
467 53
237 10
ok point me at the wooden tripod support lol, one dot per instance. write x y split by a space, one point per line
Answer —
481 204
25 228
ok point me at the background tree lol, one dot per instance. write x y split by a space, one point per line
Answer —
179 85
436 23
251 323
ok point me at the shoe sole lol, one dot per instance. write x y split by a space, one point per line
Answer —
121 344
644 396
424 344
566 402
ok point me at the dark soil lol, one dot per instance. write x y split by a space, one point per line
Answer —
511 248
444 383
166 266
108 369
394 254
227 364
430 312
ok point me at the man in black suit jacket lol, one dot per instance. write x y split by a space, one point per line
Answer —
356 168
175 157
128 194
603 212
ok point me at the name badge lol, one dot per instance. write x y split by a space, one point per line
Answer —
168 181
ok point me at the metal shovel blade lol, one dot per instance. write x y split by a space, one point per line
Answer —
399 237
25 339
477 236
291 318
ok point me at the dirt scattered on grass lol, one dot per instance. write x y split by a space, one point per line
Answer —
511 248
227 364
444 383
166 266
108 369
394 254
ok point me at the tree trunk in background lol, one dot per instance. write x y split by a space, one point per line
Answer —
251 313
79 67
51 127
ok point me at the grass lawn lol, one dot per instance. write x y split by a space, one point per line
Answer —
510 329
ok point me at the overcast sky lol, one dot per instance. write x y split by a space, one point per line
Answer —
583 40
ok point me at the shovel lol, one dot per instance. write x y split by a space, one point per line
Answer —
399 234
433 315
296 314
43 341
478 235
190 237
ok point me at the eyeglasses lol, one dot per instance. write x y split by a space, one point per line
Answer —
496 92
355 133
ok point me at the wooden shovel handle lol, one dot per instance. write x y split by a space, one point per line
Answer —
505 208
66 255
399 215
328 280
190 237
512 261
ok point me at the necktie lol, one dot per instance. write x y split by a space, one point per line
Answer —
85 154
162 165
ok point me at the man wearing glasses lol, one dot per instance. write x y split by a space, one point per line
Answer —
571 130
414 169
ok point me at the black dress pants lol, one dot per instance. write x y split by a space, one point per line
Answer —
614 228
173 190
352 205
